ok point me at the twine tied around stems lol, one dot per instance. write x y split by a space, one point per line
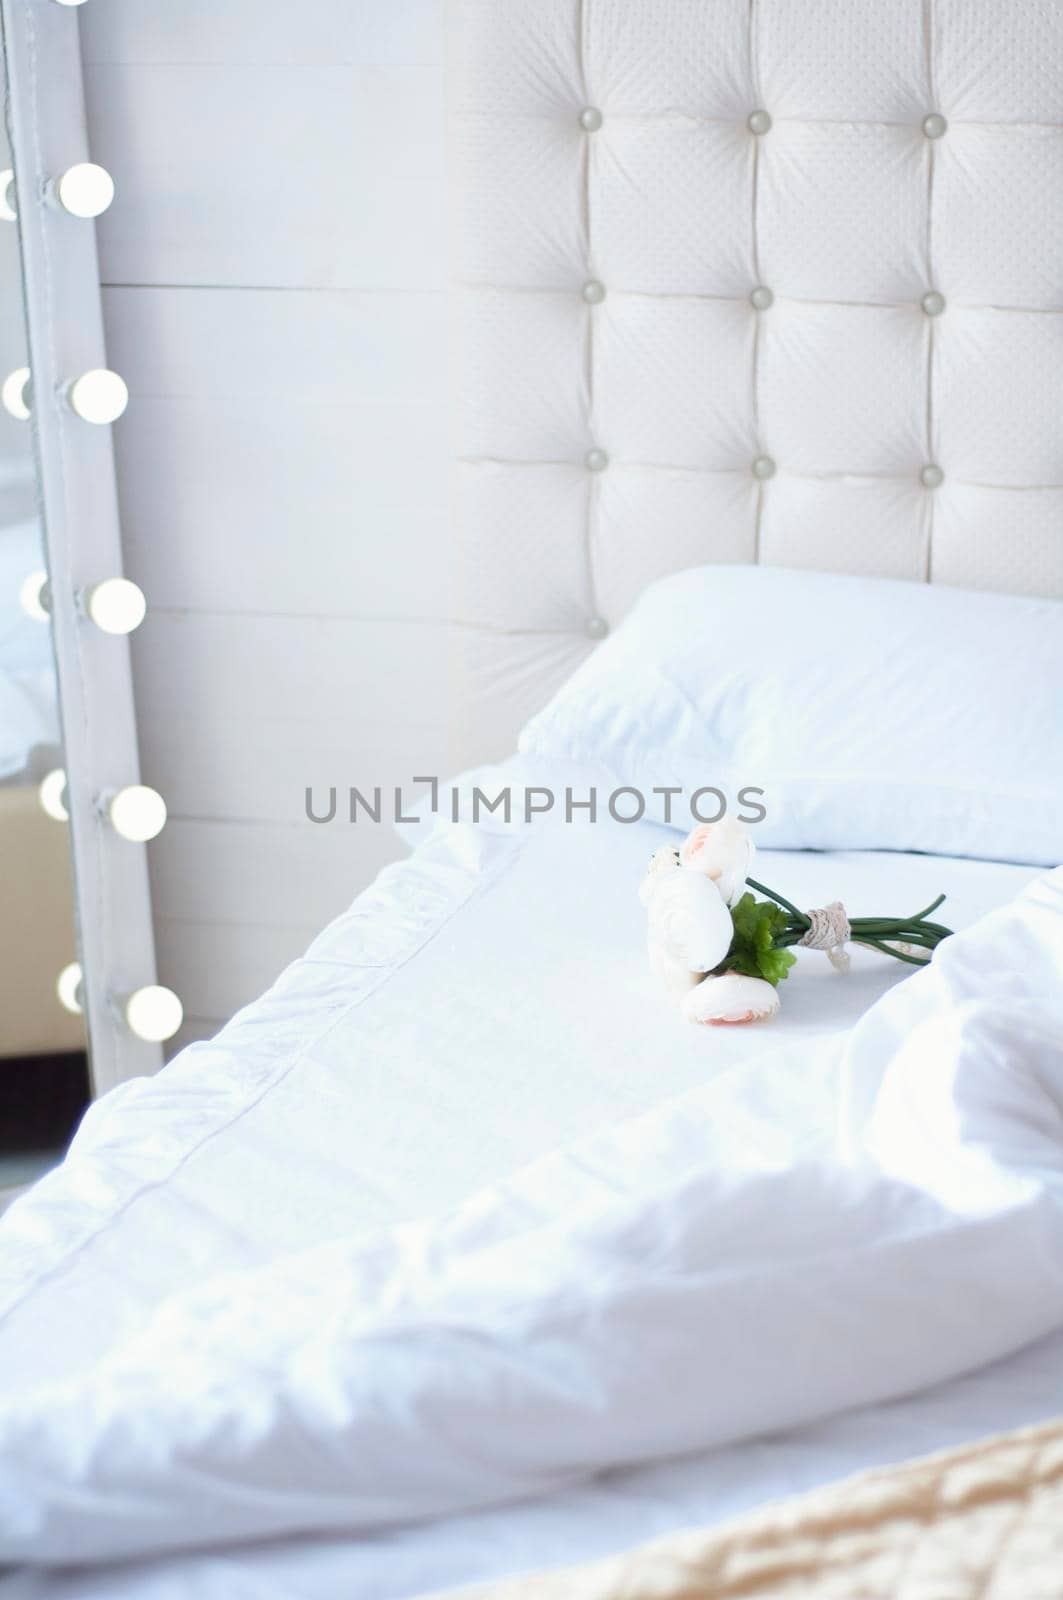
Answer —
908 939
828 930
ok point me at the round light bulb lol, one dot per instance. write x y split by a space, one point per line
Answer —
15 393
85 190
99 395
116 605
52 794
137 813
70 2
8 213
34 597
153 1013
68 988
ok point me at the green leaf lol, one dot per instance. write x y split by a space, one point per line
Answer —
775 965
744 917
753 951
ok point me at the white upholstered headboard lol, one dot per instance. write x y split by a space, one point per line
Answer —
747 280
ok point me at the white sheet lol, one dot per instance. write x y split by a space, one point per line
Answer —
398 1055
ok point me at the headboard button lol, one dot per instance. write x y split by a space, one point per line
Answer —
933 303
763 467
934 125
761 298
596 460
759 122
590 119
931 476
593 292
597 627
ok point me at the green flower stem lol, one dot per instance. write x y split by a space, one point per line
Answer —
762 888
877 933
898 955
921 916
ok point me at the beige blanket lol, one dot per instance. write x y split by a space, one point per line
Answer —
984 1522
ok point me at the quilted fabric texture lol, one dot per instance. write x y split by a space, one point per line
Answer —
981 1523
748 280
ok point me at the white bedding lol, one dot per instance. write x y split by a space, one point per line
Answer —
394 1071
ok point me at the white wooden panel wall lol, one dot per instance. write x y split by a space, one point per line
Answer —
274 268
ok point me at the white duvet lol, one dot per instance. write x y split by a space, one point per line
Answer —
840 1222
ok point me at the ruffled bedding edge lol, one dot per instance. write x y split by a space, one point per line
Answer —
136 1137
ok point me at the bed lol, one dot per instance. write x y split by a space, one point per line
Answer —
375 1084
633 406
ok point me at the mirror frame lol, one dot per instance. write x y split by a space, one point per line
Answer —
80 532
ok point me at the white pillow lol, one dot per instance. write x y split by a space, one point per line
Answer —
874 714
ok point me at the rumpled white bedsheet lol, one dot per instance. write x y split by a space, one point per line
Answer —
843 1221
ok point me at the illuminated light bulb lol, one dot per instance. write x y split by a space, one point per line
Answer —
99 395
34 597
153 1013
85 190
15 394
70 2
137 813
8 211
52 794
116 605
68 988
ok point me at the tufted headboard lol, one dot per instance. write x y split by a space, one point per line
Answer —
746 280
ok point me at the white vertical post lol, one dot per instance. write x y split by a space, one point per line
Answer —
81 530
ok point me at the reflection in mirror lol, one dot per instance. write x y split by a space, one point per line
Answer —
43 1068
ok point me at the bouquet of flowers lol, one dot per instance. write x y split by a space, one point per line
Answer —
723 952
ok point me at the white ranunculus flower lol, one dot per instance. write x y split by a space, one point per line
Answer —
666 859
673 977
688 921
731 998
724 852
